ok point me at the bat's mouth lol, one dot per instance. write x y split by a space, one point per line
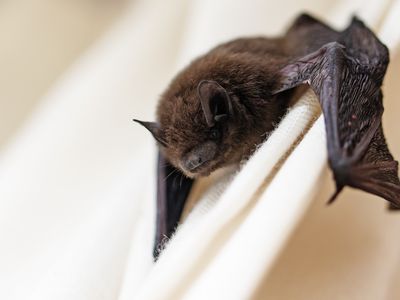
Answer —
203 170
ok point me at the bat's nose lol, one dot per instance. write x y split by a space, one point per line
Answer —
193 161
199 156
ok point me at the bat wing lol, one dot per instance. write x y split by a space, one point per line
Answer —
347 75
172 191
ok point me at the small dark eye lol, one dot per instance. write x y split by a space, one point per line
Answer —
215 134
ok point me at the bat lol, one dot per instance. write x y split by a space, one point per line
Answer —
224 103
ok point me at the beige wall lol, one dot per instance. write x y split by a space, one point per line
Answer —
39 39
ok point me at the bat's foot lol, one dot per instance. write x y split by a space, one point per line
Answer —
376 178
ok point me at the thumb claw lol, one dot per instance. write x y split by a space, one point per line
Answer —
334 196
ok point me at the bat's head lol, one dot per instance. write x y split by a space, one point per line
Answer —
198 128
215 113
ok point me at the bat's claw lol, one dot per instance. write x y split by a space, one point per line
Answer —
334 196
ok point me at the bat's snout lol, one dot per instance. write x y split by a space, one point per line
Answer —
193 161
199 157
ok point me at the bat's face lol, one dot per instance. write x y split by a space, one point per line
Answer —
197 130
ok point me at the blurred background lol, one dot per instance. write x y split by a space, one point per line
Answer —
39 39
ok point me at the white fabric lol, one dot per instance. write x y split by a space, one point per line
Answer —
77 183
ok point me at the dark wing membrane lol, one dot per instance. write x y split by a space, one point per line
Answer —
172 191
347 74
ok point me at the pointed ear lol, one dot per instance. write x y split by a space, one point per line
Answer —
155 130
215 101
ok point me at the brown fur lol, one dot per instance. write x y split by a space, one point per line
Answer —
244 68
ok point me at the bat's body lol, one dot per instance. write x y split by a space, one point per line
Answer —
218 109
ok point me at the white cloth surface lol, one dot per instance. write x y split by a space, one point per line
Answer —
77 183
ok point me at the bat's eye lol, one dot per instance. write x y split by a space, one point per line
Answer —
215 134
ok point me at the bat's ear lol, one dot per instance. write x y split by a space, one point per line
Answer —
155 130
215 101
